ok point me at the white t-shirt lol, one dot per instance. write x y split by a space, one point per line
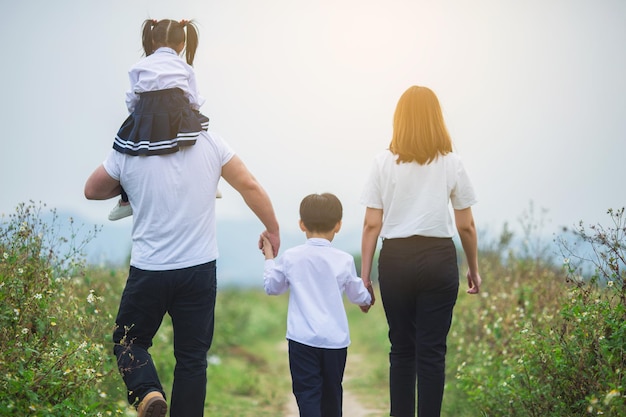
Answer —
159 71
316 275
173 202
415 198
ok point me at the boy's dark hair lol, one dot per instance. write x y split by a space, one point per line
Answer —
320 212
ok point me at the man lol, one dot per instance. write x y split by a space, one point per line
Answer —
172 264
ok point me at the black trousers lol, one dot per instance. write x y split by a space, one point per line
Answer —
316 375
188 296
419 282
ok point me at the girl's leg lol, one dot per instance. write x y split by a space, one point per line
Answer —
124 196
122 208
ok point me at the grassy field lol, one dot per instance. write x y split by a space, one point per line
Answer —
540 340
248 371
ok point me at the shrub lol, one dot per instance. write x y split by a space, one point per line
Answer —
554 343
53 356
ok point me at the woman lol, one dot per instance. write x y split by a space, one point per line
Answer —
407 198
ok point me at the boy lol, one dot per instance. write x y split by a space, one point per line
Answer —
317 326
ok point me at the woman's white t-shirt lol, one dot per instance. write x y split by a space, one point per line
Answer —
415 198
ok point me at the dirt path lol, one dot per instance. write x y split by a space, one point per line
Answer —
352 407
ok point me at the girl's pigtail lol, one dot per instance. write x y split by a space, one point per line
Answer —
146 36
192 40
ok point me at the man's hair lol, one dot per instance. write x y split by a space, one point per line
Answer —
320 212
419 131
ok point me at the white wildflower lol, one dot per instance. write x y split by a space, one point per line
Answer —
91 298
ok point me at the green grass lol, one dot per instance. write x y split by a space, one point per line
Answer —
248 373
540 339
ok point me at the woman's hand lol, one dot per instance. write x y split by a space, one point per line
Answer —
370 289
473 282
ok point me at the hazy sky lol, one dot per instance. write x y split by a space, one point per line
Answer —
534 95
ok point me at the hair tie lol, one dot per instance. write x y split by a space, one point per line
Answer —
154 22
184 22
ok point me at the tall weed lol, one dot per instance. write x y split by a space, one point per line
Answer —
53 356
550 341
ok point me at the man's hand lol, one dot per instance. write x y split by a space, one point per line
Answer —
266 247
274 240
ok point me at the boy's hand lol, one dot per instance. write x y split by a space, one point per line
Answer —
370 289
267 248
274 239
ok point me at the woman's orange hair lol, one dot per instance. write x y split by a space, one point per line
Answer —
419 131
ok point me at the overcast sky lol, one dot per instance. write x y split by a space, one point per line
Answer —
533 92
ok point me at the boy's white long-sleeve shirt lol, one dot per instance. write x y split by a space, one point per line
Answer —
316 275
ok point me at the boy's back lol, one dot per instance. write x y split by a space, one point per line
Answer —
316 275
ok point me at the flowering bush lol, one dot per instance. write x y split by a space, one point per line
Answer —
550 341
53 354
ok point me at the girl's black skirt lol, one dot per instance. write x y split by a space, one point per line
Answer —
162 122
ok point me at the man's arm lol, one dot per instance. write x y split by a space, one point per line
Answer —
100 185
241 179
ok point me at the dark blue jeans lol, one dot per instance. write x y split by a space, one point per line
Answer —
419 282
316 375
188 296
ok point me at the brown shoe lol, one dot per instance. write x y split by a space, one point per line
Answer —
152 405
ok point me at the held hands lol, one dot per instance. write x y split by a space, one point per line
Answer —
273 239
266 247
370 289
473 282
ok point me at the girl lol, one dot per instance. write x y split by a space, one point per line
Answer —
163 100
